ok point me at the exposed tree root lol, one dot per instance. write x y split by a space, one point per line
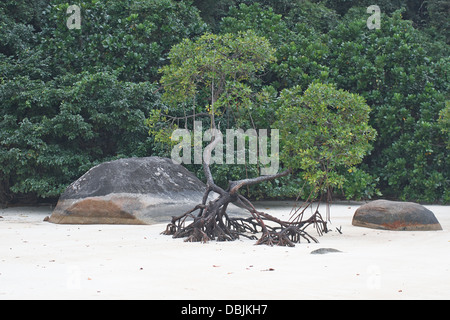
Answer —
210 221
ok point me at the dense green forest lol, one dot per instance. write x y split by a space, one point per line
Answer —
73 98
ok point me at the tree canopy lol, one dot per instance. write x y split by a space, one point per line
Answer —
72 98
323 131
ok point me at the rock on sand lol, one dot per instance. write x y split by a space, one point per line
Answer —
130 191
393 215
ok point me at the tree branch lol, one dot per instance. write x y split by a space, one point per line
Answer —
187 116
236 185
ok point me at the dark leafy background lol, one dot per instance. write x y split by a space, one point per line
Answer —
70 99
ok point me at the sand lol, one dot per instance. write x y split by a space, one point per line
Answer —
40 260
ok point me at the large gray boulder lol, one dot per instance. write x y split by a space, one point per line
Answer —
393 215
130 191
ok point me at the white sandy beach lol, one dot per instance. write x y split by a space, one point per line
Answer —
40 260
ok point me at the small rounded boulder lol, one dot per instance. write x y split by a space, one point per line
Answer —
394 215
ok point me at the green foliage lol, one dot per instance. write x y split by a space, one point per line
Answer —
18 21
404 77
444 122
438 24
219 63
214 73
263 21
72 98
301 51
430 16
359 184
212 11
118 34
323 130
52 132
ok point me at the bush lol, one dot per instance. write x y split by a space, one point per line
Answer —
71 99
323 131
404 77
133 37
52 132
